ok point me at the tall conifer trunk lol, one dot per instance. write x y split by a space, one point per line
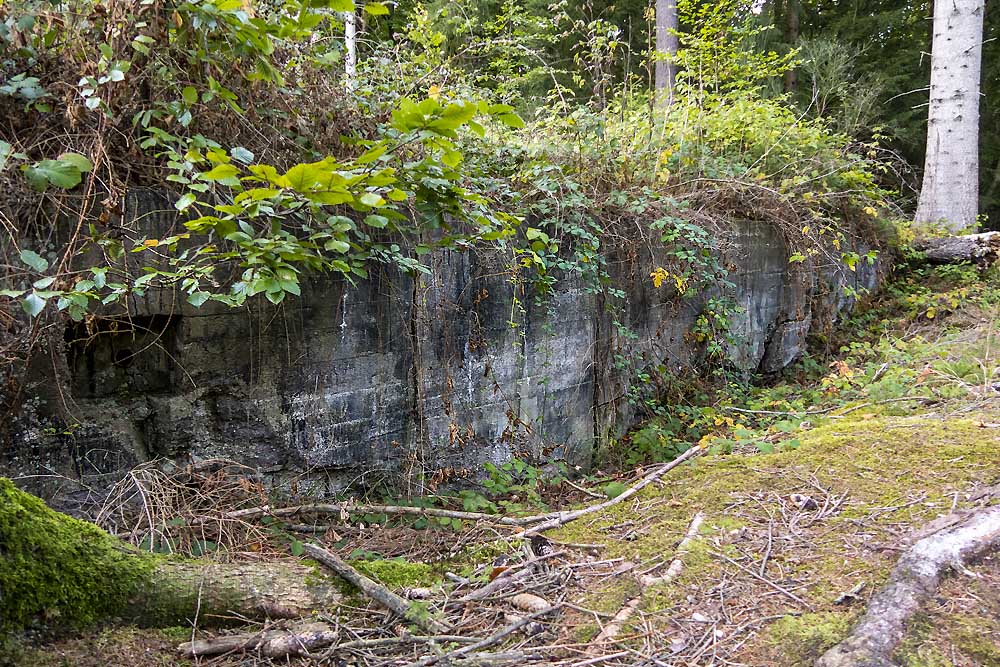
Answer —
950 192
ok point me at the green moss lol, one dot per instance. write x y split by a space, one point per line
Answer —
177 633
875 462
797 641
57 572
917 648
397 573
975 643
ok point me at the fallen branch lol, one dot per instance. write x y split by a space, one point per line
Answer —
345 509
270 644
982 249
914 579
374 590
78 563
505 580
612 629
299 640
557 519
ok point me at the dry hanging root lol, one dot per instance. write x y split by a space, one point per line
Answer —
914 579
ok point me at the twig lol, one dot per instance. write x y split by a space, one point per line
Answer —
557 519
767 581
346 509
824 411
375 591
483 643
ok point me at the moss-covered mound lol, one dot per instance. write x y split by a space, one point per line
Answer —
57 572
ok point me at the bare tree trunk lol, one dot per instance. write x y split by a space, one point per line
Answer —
667 44
950 192
791 35
351 42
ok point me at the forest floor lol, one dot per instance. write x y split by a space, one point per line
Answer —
806 497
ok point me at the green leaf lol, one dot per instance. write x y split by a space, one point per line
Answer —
614 489
11 293
371 199
59 173
241 154
376 9
197 299
185 201
34 260
78 161
220 173
44 282
190 94
33 304
5 151
337 245
379 221
297 548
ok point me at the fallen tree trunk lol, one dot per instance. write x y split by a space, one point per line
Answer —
60 573
982 249
914 579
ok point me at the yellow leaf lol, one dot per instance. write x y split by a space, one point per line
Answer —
805 230
931 312
151 243
434 92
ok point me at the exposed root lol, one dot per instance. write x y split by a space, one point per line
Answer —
914 579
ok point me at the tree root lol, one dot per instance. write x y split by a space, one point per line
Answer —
914 579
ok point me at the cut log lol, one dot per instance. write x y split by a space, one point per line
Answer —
981 249
914 579
60 573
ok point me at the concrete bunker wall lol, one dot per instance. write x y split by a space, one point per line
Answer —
399 377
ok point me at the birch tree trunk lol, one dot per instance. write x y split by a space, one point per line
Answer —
351 43
950 192
667 43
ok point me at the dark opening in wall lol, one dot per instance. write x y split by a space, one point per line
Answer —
122 355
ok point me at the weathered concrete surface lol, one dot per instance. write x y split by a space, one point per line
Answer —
410 381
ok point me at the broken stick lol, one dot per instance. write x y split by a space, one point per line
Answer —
375 590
